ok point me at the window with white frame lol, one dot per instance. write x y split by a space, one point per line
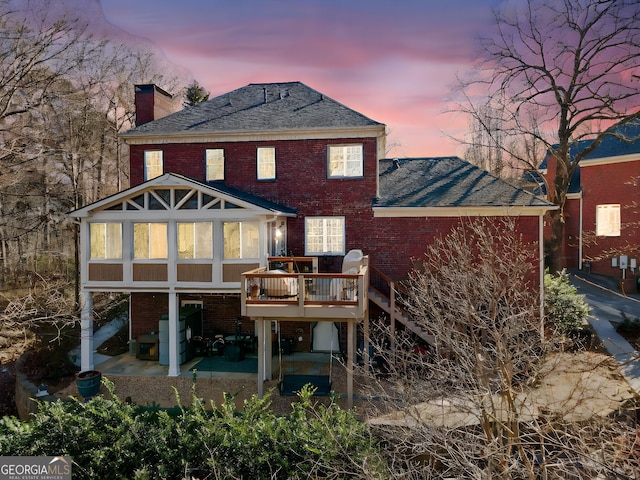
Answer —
608 220
324 236
266 163
152 164
105 240
241 240
345 161
150 240
195 240
214 164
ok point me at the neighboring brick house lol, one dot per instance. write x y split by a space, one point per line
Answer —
273 170
602 211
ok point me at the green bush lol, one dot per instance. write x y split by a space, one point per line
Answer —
564 308
111 439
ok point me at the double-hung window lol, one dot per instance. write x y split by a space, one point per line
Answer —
324 236
266 163
345 161
608 220
195 240
214 164
150 240
106 240
152 164
241 240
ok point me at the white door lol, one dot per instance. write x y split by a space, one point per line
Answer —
326 337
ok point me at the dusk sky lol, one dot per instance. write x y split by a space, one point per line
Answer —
395 61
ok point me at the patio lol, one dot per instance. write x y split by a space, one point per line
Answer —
145 382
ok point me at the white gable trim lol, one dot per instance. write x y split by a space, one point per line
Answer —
172 182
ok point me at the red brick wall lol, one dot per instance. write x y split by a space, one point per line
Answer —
607 184
393 243
301 181
220 315
146 310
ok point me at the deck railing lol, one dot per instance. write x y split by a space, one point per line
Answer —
272 288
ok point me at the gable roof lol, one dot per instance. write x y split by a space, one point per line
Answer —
623 140
173 180
258 107
447 182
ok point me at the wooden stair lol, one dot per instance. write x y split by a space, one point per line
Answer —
380 293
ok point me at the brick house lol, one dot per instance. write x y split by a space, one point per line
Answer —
273 204
602 212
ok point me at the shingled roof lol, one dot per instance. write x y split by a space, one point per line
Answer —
446 182
258 107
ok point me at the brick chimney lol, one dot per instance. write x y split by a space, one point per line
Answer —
152 103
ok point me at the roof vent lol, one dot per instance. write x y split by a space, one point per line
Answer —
264 89
396 163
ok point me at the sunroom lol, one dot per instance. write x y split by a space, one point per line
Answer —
173 235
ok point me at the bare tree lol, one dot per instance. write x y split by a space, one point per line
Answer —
36 50
459 406
559 71
65 99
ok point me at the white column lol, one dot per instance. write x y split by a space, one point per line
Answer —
86 334
174 330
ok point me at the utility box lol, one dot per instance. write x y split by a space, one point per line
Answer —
189 326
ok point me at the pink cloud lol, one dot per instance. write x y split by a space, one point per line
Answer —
392 61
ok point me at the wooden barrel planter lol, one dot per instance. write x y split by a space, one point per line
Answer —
88 383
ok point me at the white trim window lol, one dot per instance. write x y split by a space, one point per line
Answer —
195 240
241 240
105 240
152 164
150 241
266 163
345 161
324 235
608 220
214 164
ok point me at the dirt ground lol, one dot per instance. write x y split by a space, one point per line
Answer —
576 386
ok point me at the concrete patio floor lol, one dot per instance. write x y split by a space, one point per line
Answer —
296 362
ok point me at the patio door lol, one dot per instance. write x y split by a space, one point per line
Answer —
326 337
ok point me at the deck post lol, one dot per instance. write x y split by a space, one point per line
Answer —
268 351
350 357
261 355
392 316
174 330
86 335
365 354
